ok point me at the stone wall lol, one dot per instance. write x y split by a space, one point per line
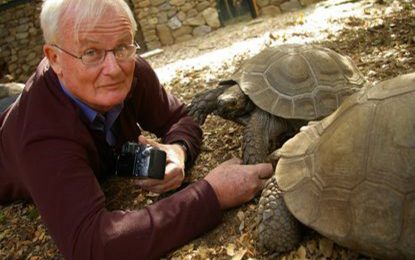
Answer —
165 22
162 22
275 7
20 40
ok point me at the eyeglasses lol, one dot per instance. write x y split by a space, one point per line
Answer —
94 56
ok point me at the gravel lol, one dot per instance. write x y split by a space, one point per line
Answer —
378 35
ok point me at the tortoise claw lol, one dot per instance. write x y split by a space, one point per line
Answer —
198 114
274 157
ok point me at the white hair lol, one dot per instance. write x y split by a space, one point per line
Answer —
52 16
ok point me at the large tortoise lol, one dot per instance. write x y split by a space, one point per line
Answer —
350 177
277 91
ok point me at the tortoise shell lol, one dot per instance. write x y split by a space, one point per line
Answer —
351 177
298 81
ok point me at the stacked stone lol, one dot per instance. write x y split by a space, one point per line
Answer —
20 41
162 22
165 22
275 7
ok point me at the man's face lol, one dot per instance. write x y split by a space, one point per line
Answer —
104 85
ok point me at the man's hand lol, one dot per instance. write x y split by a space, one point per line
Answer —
235 183
174 167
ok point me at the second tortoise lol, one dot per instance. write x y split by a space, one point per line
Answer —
350 177
277 91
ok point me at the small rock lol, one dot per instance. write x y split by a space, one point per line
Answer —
301 252
312 246
230 249
326 247
371 73
241 215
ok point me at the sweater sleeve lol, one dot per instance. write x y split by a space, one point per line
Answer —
72 205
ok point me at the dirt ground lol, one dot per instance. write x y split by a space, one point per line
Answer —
379 36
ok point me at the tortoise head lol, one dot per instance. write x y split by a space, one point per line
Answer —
234 101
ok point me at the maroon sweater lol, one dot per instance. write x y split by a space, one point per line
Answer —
51 156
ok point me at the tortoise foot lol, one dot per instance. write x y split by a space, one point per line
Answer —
277 230
205 103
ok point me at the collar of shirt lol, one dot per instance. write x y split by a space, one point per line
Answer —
97 120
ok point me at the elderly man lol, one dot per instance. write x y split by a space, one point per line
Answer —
88 97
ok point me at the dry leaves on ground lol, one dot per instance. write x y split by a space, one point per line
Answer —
380 38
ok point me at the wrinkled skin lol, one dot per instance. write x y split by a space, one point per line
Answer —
235 183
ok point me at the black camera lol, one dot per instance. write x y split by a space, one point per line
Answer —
141 161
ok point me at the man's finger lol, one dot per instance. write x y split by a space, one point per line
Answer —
263 183
234 160
142 139
148 183
157 186
265 170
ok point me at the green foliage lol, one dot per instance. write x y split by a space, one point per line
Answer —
32 213
2 218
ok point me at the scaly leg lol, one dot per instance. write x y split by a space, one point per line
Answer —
260 136
277 229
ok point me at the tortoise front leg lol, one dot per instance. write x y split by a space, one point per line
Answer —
205 103
261 136
277 229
